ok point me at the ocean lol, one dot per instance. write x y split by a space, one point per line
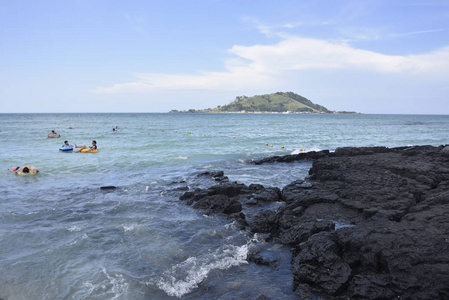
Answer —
62 237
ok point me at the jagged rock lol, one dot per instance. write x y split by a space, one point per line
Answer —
212 174
262 222
396 242
319 264
268 195
354 151
292 157
218 204
368 223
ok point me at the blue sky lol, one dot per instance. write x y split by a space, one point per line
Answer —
154 56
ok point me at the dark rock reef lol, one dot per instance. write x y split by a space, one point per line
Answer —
368 223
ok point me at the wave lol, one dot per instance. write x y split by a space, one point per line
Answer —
182 278
301 150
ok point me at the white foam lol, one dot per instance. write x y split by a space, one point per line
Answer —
119 284
231 225
113 286
72 243
75 228
258 238
180 157
186 276
297 151
130 227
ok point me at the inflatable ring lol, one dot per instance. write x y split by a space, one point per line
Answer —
65 148
33 171
53 135
88 150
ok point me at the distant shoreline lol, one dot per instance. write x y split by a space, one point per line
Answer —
264 112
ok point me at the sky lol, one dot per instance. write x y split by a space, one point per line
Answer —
371 56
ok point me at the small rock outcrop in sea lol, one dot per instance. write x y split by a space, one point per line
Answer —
369 223
108 187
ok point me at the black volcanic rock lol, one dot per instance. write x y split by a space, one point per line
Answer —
394 238
293 157
368 223
108 187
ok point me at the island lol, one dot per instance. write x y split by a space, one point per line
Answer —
280 102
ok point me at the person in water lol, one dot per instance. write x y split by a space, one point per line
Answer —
94 146
53 134
17 169
66 144
24 169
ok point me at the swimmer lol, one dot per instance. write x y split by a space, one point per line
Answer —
24 169
53 134
66 144
93 147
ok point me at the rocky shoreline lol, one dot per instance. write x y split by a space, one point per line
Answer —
368 223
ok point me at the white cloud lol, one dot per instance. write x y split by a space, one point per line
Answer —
236 78
257 66
296 54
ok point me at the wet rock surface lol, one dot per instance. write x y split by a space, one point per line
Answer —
368 223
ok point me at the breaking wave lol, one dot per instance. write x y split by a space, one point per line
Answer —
182 278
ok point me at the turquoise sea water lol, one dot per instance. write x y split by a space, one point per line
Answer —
62 237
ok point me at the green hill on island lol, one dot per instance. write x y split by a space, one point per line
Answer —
279 102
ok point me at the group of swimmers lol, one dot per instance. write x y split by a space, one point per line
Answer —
27 170
81 147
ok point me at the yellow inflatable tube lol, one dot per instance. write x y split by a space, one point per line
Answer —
31 171
88 150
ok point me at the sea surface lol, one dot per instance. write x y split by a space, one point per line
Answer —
62 237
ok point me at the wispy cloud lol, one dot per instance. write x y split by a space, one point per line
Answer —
281 29
270 29
419 32
355 34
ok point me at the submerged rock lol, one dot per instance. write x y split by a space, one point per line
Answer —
216 175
